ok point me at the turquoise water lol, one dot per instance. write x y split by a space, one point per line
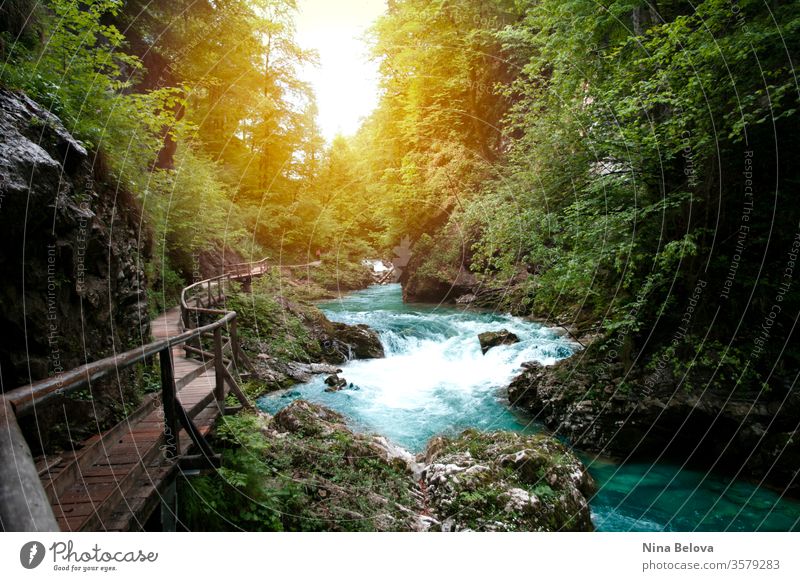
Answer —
663 497
434 380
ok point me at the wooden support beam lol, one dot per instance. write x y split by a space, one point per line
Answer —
219 366
170 403
237 391
206 355
234 341
194 433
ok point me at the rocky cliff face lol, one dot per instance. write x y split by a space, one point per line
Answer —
439 270
70 257
652 416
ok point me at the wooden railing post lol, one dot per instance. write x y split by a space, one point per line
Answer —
169 401
237 361
219 366
23 502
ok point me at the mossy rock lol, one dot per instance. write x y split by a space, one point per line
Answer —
504 481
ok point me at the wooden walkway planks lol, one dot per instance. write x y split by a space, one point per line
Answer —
116 480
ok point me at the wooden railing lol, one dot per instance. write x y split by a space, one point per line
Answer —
200 301
24 504
245 269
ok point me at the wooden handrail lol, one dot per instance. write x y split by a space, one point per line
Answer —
250 265
200 283
24 399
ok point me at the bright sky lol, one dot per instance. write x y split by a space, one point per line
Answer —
346 83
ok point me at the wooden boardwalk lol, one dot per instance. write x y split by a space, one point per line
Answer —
116 480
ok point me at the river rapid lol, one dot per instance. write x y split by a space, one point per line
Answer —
435 380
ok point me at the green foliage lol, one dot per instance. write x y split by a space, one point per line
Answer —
80 74
182 136
287 483
433 138
252 388
623 129
236 497
166 285
266 324
20 22
148 377
343 271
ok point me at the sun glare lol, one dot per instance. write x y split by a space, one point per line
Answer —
345 82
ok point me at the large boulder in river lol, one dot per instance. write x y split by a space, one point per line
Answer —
505 481
335 383
361 341
305 418
491 339
339 342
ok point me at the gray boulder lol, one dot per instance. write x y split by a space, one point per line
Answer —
491 339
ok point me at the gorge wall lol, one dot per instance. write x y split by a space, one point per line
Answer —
71 257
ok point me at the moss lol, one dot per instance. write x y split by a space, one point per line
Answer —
334 276
506 481
276 326
252 388
309 479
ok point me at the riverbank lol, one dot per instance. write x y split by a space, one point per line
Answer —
304 469
648 415
308 467
435 380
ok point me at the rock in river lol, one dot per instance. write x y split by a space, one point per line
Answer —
505 481
362 341
491 339
335 383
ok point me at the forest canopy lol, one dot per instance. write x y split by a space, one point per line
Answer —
591 162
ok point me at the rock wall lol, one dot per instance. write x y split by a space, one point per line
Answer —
438 269
71 255
645 416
